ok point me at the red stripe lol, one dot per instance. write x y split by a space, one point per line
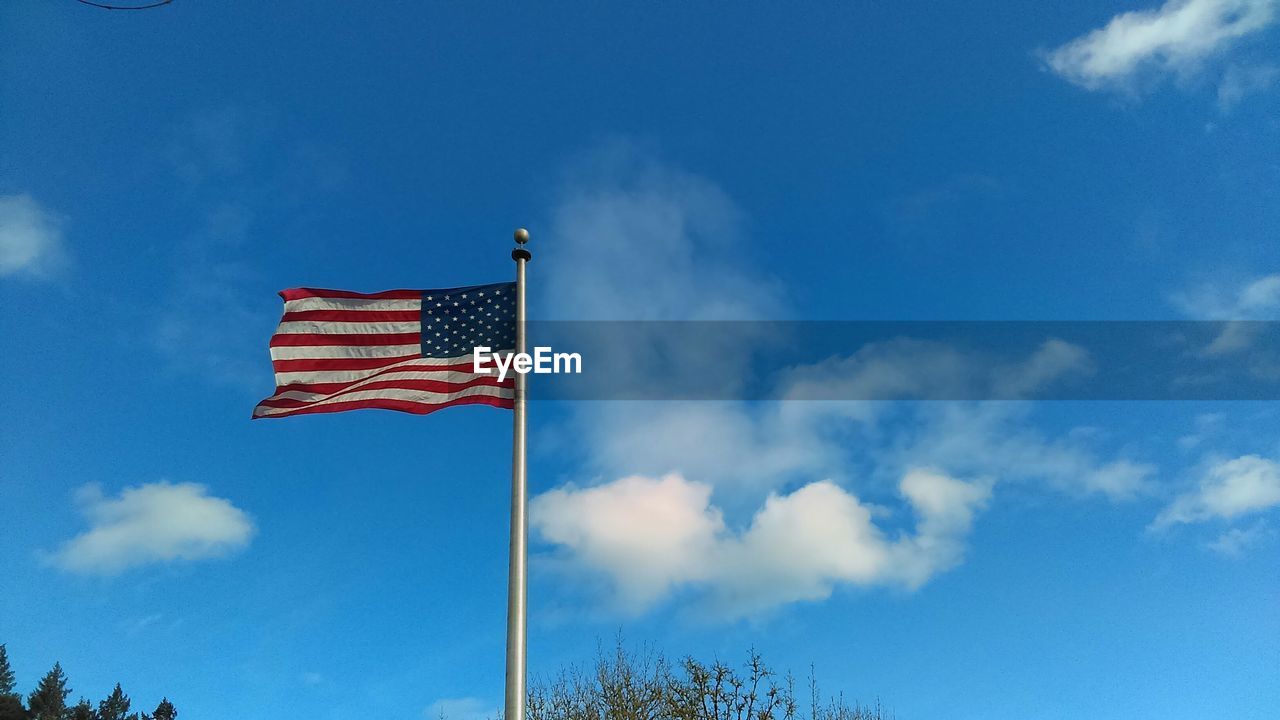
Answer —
302 339
341 389
417 383
423 369
322 364
372 381
399 405
353 315
299 293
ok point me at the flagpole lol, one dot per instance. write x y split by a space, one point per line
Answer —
517 575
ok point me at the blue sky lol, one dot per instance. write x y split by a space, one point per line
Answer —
163 174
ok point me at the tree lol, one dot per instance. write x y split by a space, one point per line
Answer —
82 711
11 707
115 707
645 687
49 701
6 673
718 692
165 710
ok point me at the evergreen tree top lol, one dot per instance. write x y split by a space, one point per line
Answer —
82 711
165 711
115 707
6 673
49 700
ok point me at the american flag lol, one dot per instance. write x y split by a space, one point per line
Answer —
406 350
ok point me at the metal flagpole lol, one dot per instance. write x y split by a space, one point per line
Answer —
517 574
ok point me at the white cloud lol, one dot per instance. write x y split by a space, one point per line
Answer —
157 522
30 238
650 534
1229 489
462 708
1176 38
654 536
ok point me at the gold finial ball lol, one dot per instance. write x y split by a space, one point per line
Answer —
522 236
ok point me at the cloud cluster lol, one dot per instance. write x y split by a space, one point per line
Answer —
746 450
157 522
654 536
750 506
30 238
1176 38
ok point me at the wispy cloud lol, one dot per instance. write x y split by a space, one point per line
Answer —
635 239
1241 81
1256 299
156 522
213 322
30 238
929 369
215 316
1174 39
1234 542
1228 490
214 145
1000 440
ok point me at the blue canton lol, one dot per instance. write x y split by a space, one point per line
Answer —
456 321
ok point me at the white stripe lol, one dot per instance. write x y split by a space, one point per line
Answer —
351 304
327 376
321 352
450 376
325 327
419 396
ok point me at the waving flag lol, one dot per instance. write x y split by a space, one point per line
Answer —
406 350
